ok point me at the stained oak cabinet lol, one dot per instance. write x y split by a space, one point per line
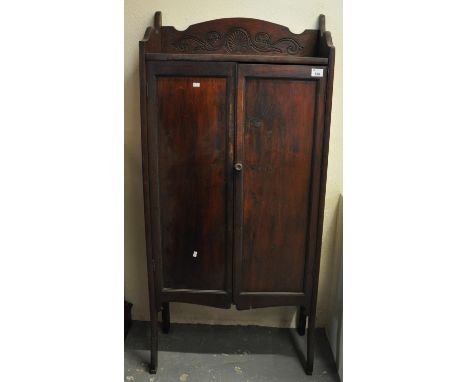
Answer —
235 123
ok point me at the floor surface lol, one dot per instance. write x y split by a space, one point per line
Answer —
208 353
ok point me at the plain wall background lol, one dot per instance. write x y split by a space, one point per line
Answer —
297 15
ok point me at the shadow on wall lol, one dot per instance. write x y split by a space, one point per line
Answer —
334 327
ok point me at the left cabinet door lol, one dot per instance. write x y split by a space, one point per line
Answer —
190 113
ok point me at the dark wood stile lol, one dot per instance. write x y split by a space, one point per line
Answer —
235 125
326 46
147 205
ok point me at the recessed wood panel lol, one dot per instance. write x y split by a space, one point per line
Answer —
277 157
193 138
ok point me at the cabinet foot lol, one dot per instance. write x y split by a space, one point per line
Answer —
153 365
309 366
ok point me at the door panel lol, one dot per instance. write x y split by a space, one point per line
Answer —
277 162
276 127
194 125
192 163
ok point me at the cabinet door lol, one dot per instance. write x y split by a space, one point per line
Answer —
190 163
280 119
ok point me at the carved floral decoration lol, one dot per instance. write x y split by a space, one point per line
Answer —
237 40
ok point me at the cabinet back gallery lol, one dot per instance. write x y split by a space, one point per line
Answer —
235 122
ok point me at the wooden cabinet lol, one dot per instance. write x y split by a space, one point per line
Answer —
235 125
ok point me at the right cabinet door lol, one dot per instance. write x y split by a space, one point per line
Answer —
280 119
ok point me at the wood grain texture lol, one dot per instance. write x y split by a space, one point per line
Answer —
278 128
193 136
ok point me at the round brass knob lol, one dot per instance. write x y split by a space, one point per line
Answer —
238 166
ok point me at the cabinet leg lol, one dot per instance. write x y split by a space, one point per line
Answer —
166 318
309 368
301 320
153 367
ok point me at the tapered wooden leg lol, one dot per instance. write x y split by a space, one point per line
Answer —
301 320
309 368
166 318
153 367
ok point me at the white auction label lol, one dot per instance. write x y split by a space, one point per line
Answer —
316 72
196 84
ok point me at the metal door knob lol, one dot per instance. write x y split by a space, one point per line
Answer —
238 166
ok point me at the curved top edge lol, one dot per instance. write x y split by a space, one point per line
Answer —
328 39
148 32
248 19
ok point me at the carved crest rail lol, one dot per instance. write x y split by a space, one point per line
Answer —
237 40
233 36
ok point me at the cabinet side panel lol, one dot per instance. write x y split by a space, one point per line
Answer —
278 134
192 130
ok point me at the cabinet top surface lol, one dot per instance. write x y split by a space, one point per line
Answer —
237 39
